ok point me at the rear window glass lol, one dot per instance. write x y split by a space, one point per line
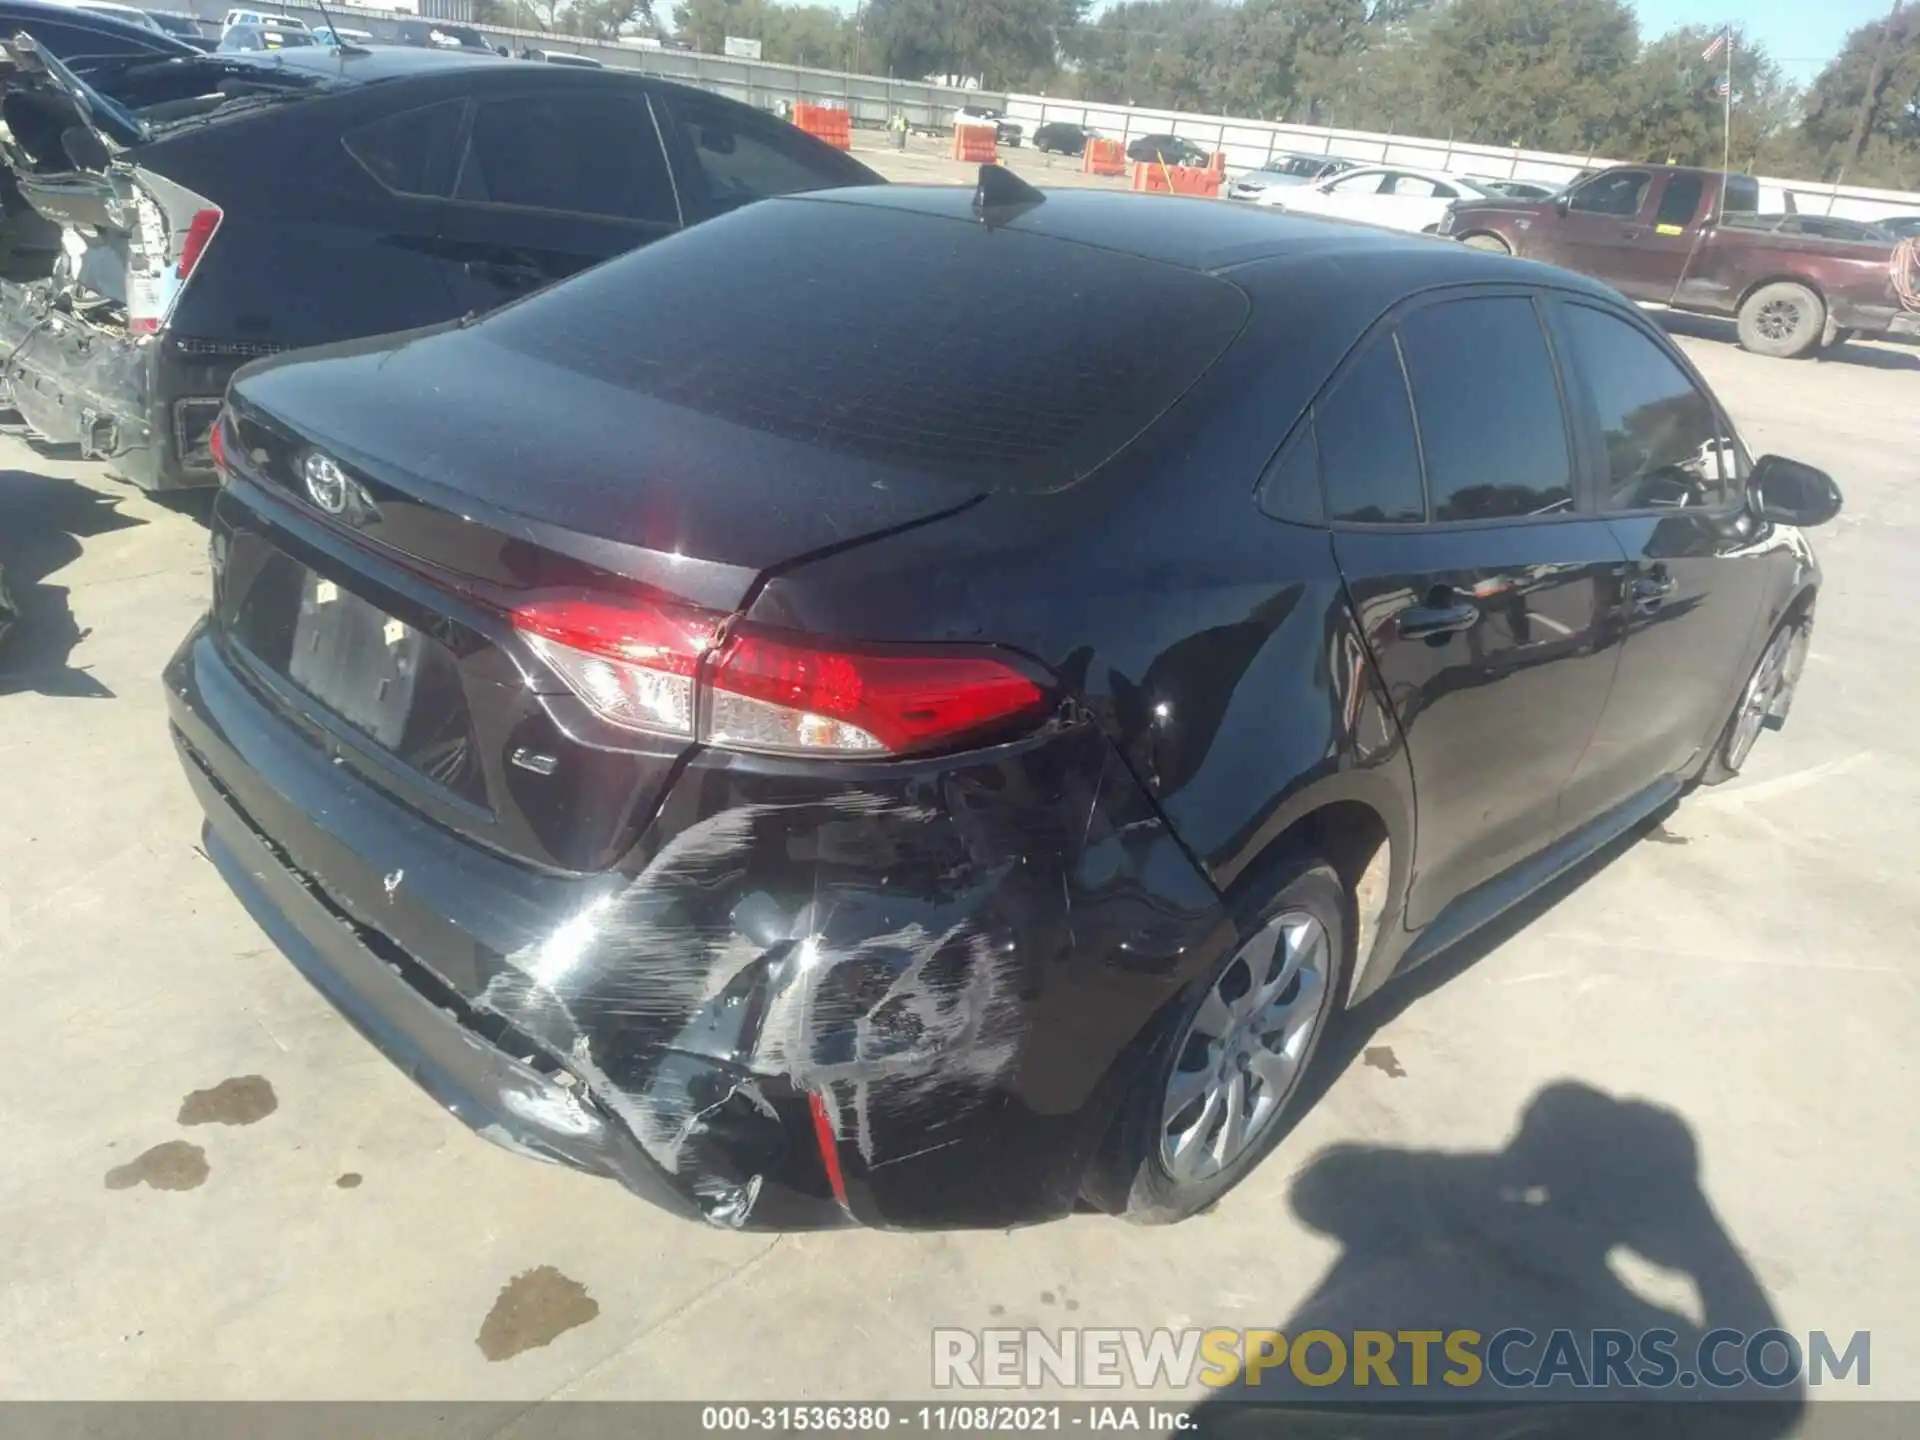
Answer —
993 356
1742 194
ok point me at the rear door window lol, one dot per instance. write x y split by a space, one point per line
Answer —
1742 195
1492 431
1369 458
736 157
586 154
1681 201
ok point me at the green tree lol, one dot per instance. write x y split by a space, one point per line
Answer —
994 41
1839 97
1539 73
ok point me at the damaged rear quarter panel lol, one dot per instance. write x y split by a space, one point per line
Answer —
951 954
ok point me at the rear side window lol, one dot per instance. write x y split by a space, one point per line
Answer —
739 158
1369 459
411 153
1491 428
1666 447
1681 201
1291 489
75 42
755 320
1742 195
584 154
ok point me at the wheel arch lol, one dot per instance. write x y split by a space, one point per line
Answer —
1362 825
1805 282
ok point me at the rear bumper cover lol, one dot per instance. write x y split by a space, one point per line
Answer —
948 994
122 400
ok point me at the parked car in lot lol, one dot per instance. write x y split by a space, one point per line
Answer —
1823 227
237 38
1006 132
222 207
338 35
561 57
88 39
265 19
445 35
1391 196
1063 137
1514 189
1667 235
1285 172
182 27
1167 150
686 725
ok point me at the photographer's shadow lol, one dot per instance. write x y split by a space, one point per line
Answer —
1591 1218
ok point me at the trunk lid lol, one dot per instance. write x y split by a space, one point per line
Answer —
461 444
470 481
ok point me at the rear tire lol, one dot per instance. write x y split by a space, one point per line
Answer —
1492 244
1239 1043
1784 319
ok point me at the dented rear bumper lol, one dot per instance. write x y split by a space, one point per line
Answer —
143 405
904 1004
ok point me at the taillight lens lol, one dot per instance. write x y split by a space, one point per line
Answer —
199 235
217 444
635 665
648 666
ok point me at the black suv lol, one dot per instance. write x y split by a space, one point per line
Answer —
229 206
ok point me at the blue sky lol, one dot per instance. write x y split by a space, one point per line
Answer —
1801 34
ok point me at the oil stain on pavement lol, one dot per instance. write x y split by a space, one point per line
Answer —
534 1308
349 1181
174 1165
239 1101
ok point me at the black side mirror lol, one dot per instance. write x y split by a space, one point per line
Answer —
1789 493
1563 202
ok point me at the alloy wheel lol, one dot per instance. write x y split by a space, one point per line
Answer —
1242 1053
1758 699
1778 319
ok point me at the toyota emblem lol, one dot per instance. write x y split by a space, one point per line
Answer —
327 483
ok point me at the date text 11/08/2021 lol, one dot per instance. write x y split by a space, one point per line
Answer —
963 1418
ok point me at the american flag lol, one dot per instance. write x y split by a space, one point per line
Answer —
1717 44
1719 89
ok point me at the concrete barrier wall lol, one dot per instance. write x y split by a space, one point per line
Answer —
1250 143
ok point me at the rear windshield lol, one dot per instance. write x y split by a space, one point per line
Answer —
993 356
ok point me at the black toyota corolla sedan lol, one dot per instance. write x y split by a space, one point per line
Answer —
918 707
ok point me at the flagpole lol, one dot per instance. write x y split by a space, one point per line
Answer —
1726 133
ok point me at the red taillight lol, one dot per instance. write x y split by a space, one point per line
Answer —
646 666
635 664
217 443
199 234
783 694
829 1144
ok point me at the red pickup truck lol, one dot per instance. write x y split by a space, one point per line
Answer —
1667 235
